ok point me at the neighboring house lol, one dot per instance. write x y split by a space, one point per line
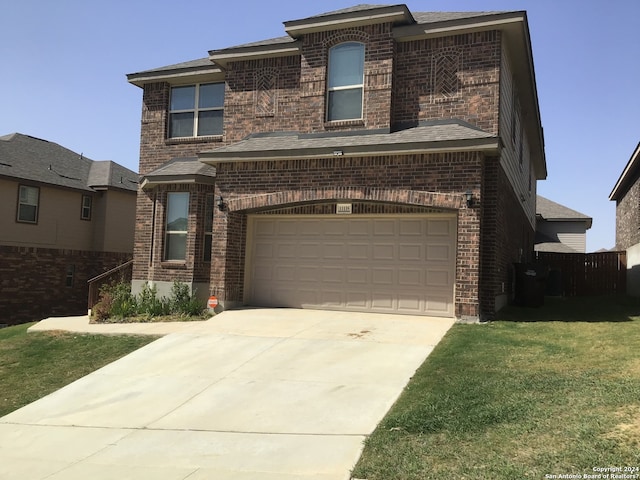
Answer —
64 218
560 229
373 159
626 194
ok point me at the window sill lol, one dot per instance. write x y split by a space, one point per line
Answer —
344 123
183 140
174 264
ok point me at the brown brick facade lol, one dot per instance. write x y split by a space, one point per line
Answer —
452 77
425 181
628 218
33 281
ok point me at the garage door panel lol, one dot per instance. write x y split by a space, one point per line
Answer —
439 227
411 228
359 228
379 264
285 250
357 299
309 273
287 227
333 275
334 251
410 303
384 227
383 276
285 273
264 250
438 253
410 277
410 251
438 278
357 275
384 251
358 251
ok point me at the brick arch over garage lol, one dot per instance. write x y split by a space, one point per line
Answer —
448 201
227 273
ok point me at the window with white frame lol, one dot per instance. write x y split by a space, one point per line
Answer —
85 211
345 82
208 227
177 219
196 110
28 201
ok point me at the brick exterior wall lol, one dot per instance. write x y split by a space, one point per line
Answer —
406 181
506 237
433 79
472 70
628 218
33 281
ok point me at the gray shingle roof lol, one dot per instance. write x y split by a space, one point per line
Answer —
553 211
420 17
28 158
285 144
183 166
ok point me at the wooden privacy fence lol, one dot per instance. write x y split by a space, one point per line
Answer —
121 273
585 274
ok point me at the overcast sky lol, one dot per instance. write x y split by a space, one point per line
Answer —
63 67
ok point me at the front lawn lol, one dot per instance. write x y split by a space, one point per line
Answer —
33 365
557 393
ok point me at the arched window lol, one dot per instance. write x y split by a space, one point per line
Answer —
345 81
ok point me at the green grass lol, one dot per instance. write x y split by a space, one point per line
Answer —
33 365
547 391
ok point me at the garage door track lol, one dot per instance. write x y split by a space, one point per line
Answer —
251 394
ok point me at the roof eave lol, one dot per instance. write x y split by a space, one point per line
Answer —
177 76
384 14
488 146
151 182
623 181
222 57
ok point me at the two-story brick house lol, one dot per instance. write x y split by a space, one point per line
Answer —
374 159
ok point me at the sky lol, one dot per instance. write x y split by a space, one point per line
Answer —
63 67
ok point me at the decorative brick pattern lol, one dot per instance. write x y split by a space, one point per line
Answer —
33 281
476 85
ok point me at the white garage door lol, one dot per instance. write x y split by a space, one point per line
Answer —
389 264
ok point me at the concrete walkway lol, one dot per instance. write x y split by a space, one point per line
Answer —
260 394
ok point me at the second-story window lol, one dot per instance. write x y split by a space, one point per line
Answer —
345 82
28 202
85 211
196 110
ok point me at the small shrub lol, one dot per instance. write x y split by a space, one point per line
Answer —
183 301
150 304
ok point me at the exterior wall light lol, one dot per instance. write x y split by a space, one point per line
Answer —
468 196
222 206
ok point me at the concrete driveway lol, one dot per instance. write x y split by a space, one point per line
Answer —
260 394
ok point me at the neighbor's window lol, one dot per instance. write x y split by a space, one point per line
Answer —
345 82
175 247
85 213
196 110
28 200
208 227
